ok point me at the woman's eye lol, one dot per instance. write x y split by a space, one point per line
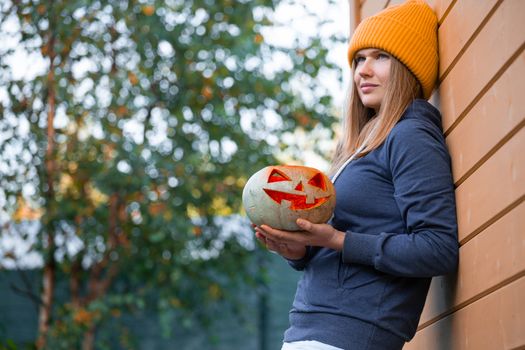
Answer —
383 56
359 60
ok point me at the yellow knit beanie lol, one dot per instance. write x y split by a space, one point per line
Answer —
409 33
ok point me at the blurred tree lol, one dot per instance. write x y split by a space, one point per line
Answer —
133 142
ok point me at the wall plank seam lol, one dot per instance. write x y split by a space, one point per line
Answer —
482 51
485 89
482 24
490 153
471 300
444 16
493 322
492 220
487 261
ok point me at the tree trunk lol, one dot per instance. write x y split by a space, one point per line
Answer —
103 272
49 271
47 303
88 342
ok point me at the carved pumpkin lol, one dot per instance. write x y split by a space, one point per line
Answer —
278 195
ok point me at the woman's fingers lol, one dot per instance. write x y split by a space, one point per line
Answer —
323 235
280 235
276 241
268 242
264 239
260 237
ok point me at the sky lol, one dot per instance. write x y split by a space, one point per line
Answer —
293 19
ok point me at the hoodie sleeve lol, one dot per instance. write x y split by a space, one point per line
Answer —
424 193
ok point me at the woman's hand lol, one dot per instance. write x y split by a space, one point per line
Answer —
287 250
292 245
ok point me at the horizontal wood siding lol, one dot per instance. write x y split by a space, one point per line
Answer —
370 7
395 2
459 30
494 187
441 7
481 96
491 51
492 259
495 322
496 117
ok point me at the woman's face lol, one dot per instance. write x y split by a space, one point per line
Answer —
371 75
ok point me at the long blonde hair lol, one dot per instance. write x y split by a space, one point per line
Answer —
360 123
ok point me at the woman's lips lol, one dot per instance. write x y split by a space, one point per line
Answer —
366 88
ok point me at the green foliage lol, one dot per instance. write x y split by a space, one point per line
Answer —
163 109
8 345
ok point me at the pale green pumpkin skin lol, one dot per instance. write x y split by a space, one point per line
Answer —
293 182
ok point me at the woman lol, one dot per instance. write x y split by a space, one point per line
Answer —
367 272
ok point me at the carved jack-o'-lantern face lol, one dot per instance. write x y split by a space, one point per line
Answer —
279 195
300 198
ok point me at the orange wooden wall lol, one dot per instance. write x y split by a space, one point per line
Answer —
482 99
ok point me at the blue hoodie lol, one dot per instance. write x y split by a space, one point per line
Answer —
397 207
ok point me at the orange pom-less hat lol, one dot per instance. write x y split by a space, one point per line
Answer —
409 33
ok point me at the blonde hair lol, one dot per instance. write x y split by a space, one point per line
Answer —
360 123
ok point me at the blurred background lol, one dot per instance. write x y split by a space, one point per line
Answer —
128 129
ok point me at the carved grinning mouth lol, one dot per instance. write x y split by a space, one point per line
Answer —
298 201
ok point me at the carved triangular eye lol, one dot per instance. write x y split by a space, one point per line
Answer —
276 176
318 181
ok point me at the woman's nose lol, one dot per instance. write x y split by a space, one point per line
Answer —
365 69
